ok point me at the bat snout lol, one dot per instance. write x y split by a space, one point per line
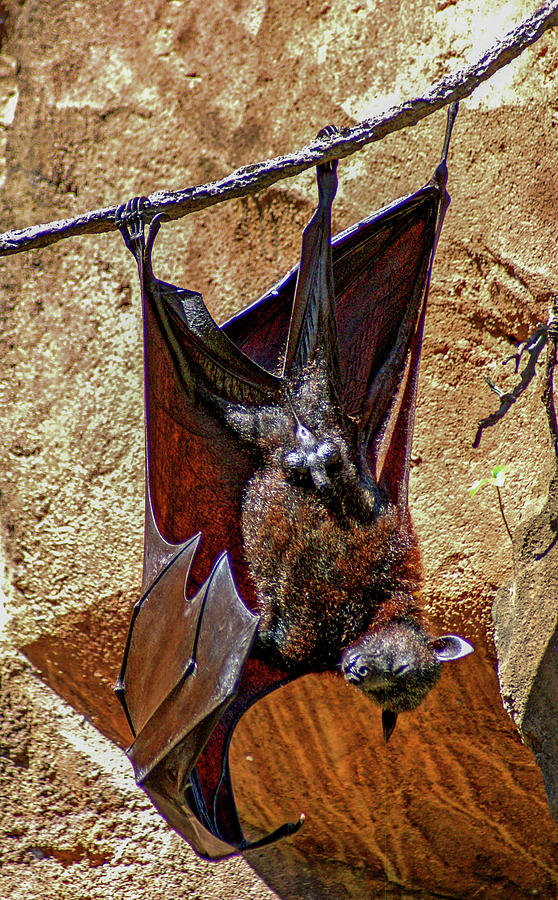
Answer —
395 669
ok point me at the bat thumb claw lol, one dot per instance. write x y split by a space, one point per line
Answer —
285 830
293 827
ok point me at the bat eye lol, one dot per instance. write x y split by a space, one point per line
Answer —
402 669
363 671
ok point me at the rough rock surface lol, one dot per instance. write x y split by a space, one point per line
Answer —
74 824
99 102
526 632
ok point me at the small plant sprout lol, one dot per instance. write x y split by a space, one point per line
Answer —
496 479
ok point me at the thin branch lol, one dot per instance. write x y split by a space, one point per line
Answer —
253 178
544 335
551 361
534 347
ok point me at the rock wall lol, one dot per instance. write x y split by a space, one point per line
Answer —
100 102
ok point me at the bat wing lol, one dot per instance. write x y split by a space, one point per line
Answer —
196 468
182 668
187 677
185 654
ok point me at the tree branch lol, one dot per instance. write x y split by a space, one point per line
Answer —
253 178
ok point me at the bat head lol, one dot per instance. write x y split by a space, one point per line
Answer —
398 665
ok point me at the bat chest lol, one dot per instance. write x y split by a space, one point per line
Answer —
321 573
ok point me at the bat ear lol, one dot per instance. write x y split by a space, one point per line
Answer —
450 647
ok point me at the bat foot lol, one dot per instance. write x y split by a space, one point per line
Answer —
130 220
331 165
327 171
328 131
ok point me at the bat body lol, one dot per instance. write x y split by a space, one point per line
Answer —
330 558
284 438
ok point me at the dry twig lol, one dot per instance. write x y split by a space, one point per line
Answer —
543 336
253 178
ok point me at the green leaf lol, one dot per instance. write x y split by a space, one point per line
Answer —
496 480
499 474
476 486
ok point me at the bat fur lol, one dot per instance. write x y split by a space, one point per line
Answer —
336 568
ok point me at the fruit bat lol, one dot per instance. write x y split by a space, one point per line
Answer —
277 535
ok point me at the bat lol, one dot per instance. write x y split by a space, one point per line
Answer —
278 539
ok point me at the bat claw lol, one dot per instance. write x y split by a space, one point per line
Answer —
286 830
130 220
331 165
328 131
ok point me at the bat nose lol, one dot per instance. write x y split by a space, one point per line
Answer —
355 673
378 673
353 667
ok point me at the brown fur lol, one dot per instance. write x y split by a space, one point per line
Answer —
323 582
328 564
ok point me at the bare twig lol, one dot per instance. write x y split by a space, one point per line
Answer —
544 335
548 391
534 348
253 178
